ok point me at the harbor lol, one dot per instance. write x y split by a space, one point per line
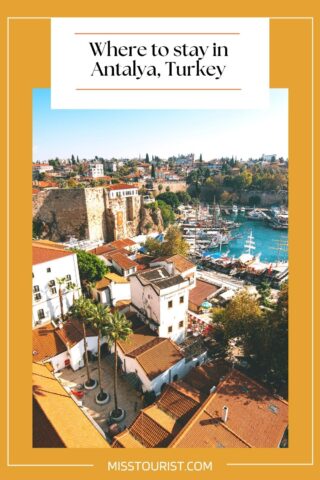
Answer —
246 243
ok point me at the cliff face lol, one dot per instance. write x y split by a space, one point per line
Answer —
150 220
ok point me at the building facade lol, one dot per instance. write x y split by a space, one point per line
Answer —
51 264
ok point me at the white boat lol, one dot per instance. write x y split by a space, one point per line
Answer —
242 210
234 209
256 214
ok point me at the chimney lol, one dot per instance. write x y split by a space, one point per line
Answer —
225 411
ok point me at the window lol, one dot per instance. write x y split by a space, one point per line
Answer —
53 290
181 299
68 277
51 283
69 285
36 289
99 297
41 314
170 329
37 296
175 377
48 270
181 324
170 304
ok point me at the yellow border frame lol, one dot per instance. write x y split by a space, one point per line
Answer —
278 79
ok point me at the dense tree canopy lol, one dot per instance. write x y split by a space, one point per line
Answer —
91 268
263 334
173 244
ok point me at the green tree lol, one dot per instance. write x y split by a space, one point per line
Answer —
100 320
200 158
83 310
153 247
153 171
167 213
117 329
147 158
160 187
184 197
170 198
91 268
174 243
265 291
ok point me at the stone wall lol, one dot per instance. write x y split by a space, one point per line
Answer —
62 213
86 213
267 199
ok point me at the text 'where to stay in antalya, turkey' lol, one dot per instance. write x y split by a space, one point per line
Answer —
170 66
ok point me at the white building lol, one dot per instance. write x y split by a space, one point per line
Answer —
157 361
112 290
42 167
163 298
96 170
63 346
119 190
51 262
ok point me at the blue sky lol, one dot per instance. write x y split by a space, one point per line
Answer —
130 133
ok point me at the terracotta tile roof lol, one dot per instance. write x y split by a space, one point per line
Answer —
46 344
69 334
207 433
204 377
126 440
255 414
181 263
159 358
42 253
35 191
69 422
102 284
125 242
161 417
48 341
141 336
201 292
102 249
149 432
176 402
120 186
114 277
123 261
43 184
256 418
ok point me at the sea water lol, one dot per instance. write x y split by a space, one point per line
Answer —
266 241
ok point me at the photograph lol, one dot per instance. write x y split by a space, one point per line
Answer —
160 267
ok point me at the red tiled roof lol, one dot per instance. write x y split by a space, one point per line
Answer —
43 184
120 186
176 401
256 418
159 358
46 344
201 292
181 263
149 432
122 260
35 191
42 253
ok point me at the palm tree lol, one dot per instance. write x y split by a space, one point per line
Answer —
61 281
117 329
100 320
83 310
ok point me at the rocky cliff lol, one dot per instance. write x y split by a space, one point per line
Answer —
150 220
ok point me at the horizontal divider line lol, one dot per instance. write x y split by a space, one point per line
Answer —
175 89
